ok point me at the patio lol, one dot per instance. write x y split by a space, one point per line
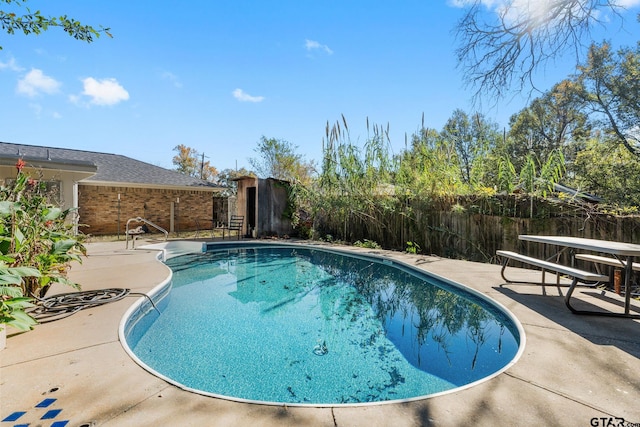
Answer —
574 368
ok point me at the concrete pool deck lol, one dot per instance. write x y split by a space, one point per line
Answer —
573 369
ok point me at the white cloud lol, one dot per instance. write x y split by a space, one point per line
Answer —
167 75
464 3
36 82
242 96
536 11
511 9
313 45
11 64
103 92
628 3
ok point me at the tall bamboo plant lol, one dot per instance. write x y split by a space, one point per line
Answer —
355 181
506 175
534 179
540 178
428 169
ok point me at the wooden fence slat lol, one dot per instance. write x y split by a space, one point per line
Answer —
477 231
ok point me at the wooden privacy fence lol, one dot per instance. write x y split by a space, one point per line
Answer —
473 229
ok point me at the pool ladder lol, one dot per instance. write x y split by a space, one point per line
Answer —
134 234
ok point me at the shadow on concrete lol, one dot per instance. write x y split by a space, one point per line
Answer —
604 297
620 332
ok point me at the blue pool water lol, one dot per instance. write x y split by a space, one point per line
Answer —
307 326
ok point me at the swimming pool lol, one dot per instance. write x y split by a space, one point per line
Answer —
298 325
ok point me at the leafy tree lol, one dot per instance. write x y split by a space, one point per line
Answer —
208 172
186 159
472 138
278 159
226 179
498 48
550 122
607 169
189 162
610 87
14 19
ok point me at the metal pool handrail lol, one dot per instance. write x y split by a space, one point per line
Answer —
134 235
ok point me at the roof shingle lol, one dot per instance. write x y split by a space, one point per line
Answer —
112 168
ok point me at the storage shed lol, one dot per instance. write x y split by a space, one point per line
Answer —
264 204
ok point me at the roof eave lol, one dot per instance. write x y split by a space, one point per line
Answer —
52 164
211 189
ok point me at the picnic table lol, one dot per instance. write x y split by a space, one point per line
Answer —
623 253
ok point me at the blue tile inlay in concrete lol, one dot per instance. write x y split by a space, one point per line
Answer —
45 403
14 416
51 414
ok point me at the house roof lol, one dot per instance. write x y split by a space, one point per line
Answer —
109 168
577 193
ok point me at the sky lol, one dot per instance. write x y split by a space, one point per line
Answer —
216 76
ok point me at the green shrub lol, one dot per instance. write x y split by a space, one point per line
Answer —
412 248
37 246
367 244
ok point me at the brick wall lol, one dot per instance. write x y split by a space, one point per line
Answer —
99 208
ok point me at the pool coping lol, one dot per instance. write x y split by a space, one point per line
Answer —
574 368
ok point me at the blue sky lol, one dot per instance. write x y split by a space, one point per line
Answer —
218 75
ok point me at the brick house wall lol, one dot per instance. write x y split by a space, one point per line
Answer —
185 210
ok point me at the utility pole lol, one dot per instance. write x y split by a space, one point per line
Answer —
202 166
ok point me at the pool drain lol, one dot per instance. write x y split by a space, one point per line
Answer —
321 349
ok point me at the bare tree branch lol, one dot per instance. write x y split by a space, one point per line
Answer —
500 51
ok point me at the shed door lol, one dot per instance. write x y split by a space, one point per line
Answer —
251 209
